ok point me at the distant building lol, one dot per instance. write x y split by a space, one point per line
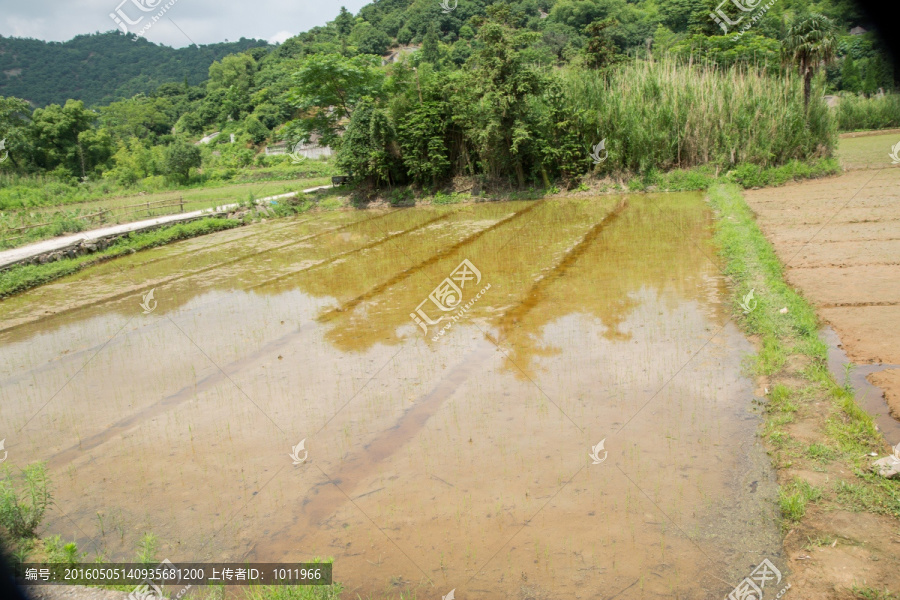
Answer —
275 149
395 55
858 31
207 139
310 149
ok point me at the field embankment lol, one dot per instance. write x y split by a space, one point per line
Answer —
840 520
33 209
840 243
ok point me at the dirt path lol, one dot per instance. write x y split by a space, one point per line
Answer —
14 256
839 239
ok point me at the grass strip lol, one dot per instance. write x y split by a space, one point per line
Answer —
23 277
792 358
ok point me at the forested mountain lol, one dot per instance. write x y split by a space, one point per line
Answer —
101 67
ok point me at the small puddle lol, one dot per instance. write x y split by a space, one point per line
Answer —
869 397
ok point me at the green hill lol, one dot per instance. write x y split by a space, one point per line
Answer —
102 67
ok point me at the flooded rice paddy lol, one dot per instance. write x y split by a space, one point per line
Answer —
435 461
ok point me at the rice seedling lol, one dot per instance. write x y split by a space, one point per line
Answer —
869 593
59 552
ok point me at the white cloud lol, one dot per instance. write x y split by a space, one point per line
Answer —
197 21
280 37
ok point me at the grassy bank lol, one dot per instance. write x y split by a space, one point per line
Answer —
677 180
51 220
745 175
20 278
818 437
19 191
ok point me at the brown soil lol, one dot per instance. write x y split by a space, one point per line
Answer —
839 239
855 134
889 380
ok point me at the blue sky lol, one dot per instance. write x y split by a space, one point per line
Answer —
186 21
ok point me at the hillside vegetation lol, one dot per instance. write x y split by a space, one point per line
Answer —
100 68
525 93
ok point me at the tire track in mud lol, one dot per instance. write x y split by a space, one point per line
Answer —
368 246
325 498
185 394
406 273
140 287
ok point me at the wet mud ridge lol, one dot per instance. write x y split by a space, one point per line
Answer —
840 242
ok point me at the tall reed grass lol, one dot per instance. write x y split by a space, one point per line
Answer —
855 113
679 114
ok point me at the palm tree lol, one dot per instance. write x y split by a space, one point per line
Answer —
810 43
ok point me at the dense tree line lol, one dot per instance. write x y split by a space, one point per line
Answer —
515 90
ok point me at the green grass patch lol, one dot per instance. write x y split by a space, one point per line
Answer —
20 278
821 452
24 500
781 399
453 198
297 592
752 263
870 494
59 207
750 175
746 175
794 498
867 593
331 203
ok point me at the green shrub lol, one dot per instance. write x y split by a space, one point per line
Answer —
57 552
669 114
751 176
856 113
21 510
794 498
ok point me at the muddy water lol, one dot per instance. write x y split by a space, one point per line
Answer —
435 461
869 396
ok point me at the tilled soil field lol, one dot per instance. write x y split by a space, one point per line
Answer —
839 239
